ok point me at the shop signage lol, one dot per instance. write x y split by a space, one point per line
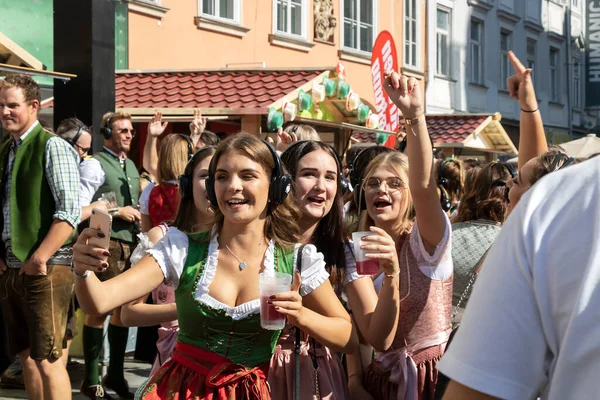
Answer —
384 58
592 54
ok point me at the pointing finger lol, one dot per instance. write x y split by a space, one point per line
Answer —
516 63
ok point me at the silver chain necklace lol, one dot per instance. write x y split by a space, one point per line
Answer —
242 264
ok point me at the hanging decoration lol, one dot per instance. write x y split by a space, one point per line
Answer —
274 120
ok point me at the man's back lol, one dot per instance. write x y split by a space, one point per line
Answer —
534 311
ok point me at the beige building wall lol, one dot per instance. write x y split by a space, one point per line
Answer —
175 41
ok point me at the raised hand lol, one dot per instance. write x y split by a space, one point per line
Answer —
405 92
284 140
156 127
520 85
198 123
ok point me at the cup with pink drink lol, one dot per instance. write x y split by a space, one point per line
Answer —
364 265
269 285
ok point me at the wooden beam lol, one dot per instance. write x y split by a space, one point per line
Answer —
21 53
35 72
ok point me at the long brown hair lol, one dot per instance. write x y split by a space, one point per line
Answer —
487 198
172 157
280 224
187 208
330 236
399 163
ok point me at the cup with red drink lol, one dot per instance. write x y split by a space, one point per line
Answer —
364 265
269 285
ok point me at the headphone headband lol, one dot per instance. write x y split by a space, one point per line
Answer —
190 145
279 185
344 184
561 156
74 139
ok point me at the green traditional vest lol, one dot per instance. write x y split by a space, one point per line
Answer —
244 341
125 182
30 217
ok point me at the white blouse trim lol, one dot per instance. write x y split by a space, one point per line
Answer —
436 266
171 253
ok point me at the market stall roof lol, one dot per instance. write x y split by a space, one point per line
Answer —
215 92
483 132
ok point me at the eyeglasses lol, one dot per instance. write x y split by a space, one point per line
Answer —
84 150
393 184
125 130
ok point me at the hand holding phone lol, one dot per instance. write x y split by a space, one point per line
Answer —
101 221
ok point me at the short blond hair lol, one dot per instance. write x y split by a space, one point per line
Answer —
113 117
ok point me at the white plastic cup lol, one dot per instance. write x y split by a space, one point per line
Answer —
269 285
364 265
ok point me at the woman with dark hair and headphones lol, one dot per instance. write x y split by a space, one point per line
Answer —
450 178
318 187
405 313
222 351
164 312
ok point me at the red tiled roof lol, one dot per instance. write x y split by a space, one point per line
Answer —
207 89
442 128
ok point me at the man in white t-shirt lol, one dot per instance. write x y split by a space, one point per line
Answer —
532 325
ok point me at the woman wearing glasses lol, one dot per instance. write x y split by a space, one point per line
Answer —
407 320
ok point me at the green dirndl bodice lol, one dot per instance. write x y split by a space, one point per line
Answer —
243 341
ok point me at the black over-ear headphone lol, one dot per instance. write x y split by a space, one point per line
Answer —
107 129
190 145
74 139
561 156
444 201
344 183
362 159
186 187
279 187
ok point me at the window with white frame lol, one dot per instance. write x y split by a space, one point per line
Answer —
290 18
222 9
476 49
359 22
531 57
576 83
443 42
411 32
554 74
505 66
575 4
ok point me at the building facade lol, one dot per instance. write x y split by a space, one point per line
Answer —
467 72
273 34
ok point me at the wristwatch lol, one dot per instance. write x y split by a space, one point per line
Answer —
414 121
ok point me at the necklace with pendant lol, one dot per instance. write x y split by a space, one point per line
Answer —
242 264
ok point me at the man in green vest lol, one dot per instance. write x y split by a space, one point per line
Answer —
39 180
110 171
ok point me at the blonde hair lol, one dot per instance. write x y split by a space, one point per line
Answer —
303 132
280 224
399 163
114 117
173 156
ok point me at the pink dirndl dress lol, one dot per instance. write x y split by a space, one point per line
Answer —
167 333
407 370
332 377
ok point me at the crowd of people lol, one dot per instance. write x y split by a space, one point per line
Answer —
189 241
